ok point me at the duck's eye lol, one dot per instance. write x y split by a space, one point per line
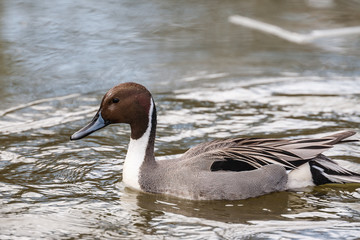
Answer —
115 100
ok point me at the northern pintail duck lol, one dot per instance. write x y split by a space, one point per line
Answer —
230 169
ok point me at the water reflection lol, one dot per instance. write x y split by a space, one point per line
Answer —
266 207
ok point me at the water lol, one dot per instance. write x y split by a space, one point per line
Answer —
210 79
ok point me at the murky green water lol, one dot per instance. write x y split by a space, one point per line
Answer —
210 79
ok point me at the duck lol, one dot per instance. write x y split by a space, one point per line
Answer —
222 169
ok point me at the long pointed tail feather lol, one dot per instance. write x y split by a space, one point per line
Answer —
325 171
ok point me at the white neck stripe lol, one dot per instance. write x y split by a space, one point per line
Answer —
136 155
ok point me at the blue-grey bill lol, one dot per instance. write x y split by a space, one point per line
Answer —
96 123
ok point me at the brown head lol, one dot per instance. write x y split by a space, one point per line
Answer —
125 103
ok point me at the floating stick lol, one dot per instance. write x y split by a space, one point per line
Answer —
292 36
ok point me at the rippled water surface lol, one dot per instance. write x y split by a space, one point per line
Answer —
209 78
